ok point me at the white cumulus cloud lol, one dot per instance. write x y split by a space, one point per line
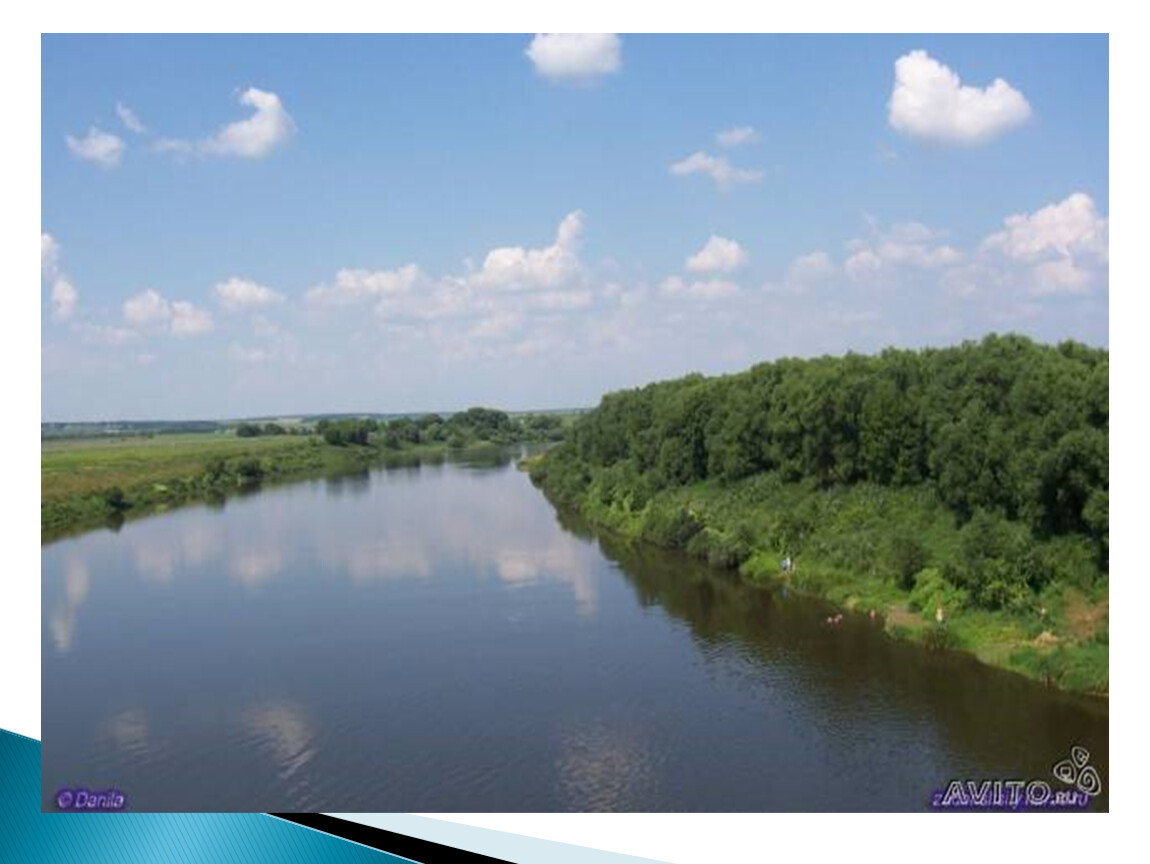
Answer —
737 136
252 138
150 309
718 255
128 117
237 294
811 268
709 289
189 320
64 298
575 56
1068 228
931 103
103 335
49 255
907 244
146 308
497 326
352 285
547 267
62 292
805 272
1062 248
718 168
518 300
100 147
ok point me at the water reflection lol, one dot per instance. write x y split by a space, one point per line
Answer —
284 733
255 565
865 694
561 561
127 731
77 584
605 767
156 562
158 556
352 483
396 555
407 528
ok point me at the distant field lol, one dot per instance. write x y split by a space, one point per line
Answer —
86 482
86 466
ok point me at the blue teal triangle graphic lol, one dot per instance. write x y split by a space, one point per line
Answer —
27 834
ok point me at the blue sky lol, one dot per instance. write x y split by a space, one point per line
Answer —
190 267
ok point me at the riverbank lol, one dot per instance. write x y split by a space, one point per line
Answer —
867 547
92 483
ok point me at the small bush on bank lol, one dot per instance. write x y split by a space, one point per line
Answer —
939 637
249 470
719 549
115 499
908 557
932 591
672 526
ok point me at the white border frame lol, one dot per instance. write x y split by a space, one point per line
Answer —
680 838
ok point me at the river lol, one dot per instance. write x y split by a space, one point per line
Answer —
436 637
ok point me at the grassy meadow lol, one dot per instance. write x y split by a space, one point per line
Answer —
86 466
86 483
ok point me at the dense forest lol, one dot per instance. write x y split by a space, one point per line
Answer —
1007 438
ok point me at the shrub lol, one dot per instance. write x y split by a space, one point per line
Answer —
215 469
998 563
938 637
249 470
727 551
340 433
908 557
1070 559
931 591
673 527
115 499
642 490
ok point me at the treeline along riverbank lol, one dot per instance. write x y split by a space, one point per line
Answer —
89 483
961 493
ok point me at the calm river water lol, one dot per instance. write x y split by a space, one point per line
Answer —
437 638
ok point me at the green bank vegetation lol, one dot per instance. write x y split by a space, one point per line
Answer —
88 483
459 430
972 480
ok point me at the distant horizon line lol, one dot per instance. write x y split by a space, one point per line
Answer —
304 416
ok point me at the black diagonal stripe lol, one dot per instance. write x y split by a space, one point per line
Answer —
412 848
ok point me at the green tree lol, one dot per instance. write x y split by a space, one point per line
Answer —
908 558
